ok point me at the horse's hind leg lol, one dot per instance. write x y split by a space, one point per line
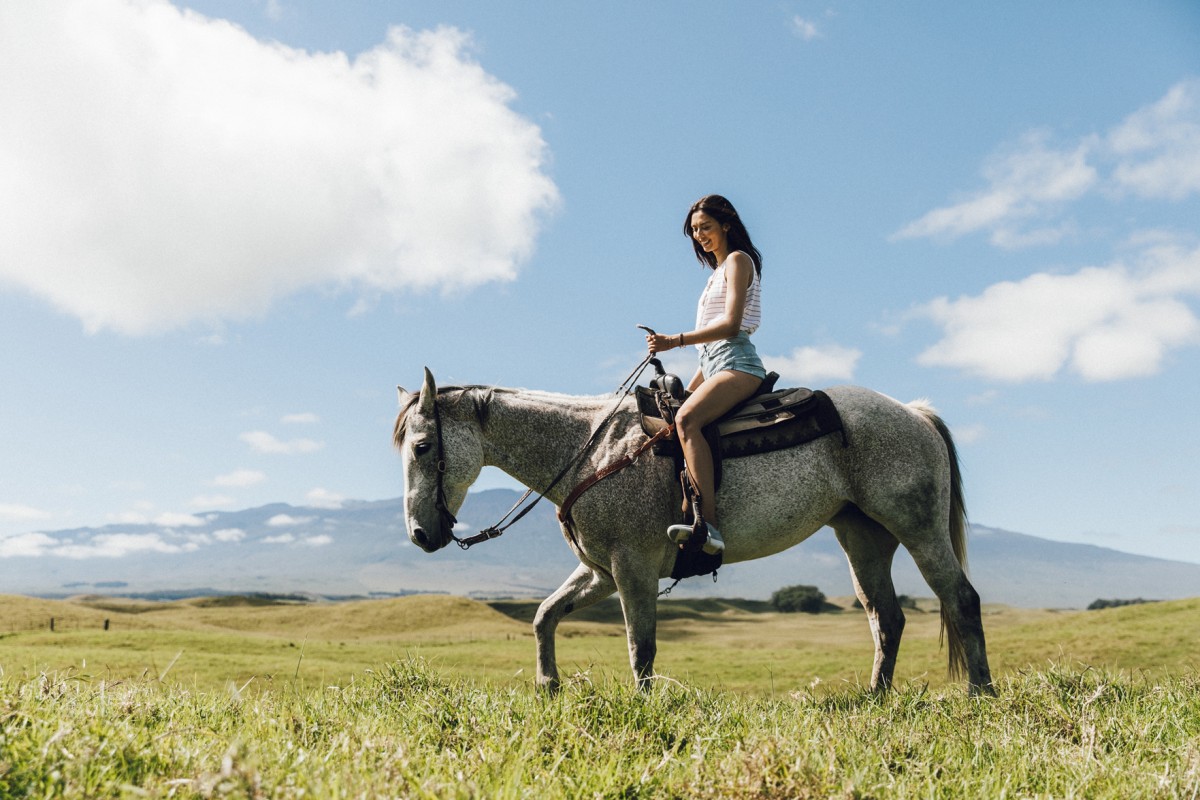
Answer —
962 619
869 548
585 587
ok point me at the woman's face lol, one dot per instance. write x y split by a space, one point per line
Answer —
708 233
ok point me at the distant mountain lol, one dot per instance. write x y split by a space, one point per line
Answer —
361 549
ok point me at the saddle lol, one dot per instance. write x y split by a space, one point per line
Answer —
769 420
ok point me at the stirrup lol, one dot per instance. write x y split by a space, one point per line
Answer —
679 534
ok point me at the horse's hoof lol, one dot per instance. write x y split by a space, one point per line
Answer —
549 686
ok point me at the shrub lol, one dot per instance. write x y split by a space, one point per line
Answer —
808 599
1096 605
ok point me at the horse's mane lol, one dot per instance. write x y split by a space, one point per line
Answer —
477 395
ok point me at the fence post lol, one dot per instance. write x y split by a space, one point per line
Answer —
52 624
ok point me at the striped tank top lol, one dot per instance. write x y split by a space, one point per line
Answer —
712 301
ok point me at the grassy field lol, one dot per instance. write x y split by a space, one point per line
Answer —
432 697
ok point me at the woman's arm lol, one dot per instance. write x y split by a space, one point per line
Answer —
739 273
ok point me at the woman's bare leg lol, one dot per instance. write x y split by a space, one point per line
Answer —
708 402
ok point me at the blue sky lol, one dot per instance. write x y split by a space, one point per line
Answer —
229 229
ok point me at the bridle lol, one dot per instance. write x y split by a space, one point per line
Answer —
505 523
442 506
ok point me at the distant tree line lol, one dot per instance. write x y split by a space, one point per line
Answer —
1096 605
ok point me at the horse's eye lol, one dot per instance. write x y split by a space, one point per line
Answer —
421 448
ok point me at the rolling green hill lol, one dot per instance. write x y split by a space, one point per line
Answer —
711 642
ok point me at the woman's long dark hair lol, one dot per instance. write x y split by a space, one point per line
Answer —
724 213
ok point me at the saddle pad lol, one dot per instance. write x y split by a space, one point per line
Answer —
764 423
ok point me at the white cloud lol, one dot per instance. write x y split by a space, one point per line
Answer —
1030 180
239 478
306 418
811 364
1102 323
1159 146
159 168
21 513
1153 153
283 520
969 434
229 535
804 28
323 498
263 442
319 541
25 544
283 538
114 545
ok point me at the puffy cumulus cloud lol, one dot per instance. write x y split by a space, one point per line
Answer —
265 443
285 520
26 544
811 364
229 535
158 167
1153 153
1102 323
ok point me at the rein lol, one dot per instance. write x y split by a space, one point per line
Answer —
500 527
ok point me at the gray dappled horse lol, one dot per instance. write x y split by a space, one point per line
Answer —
896 483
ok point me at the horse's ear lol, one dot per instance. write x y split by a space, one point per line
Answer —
403 395
428 393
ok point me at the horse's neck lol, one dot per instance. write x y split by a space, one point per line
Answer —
533 436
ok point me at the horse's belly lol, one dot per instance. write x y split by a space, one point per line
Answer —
774 501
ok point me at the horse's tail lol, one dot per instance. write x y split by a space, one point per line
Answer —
955 650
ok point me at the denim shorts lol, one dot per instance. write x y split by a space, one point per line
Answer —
737 353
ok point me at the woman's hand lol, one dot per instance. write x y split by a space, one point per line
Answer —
657 342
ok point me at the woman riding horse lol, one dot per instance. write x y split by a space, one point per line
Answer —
730 369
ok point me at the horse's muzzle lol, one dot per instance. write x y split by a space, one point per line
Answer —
427 542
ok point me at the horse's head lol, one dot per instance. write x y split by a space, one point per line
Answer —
440 442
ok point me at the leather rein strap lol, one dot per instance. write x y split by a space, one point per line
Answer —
564 513
500 527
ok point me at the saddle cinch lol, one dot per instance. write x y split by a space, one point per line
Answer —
770 420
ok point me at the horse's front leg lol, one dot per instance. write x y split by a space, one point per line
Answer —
585 587
637 585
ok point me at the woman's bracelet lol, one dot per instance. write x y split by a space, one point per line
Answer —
681 340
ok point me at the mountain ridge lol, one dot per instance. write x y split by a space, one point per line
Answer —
360 549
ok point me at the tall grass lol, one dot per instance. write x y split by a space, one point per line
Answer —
407 730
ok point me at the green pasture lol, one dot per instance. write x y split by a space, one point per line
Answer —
432 697
717 644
